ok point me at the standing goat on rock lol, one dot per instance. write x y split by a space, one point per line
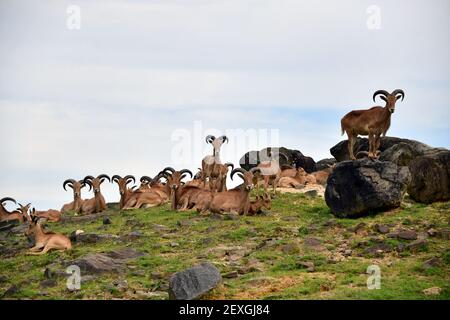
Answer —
96 204
212 165
373 122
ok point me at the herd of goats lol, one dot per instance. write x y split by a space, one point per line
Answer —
207 190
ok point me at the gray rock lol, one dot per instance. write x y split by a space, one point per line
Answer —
107 221
48 283
430 176
381 228
312 242
401 154
325 164
407 235
431 263
113 261
361 187
417 245
194 282
295 158
308 265
340 151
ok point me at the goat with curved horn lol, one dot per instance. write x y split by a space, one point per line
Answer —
373 122
77 202
97 203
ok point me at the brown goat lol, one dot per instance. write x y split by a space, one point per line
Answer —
152 193
125 192
45 241
96 204
258 204
177 189
77 202
270 172
50 215
5 215
236 200
211 165
373 122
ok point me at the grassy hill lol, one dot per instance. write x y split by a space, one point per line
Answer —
298 250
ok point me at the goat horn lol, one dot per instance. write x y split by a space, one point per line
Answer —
130 177
186 171
229 164
234 171
383 92
398 91
69 182
224 139
116 178
210 139
104 176
145 179
7 199
87 181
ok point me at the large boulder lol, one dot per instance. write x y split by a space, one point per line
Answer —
295 158
361 187
325 164
194 282
430 175
340 150
401 154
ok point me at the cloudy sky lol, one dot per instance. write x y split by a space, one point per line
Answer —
141 83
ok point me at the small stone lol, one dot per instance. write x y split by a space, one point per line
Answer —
156 275
348 252
433 262
434 291
311 193
308 265
444 234
312 242
174 244
400 247
106 221
11 291
134 235
231 275
48 283
407 235
381 228
432 232
417 245
392 235
290 248
3 279
121 285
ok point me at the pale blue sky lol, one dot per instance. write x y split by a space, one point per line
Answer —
107 98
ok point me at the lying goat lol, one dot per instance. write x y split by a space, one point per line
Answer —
45 241
77 202
373 122
5 215
125 192
236 200
48 215
96 204
258 204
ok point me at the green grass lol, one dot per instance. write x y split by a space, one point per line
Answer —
253 246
